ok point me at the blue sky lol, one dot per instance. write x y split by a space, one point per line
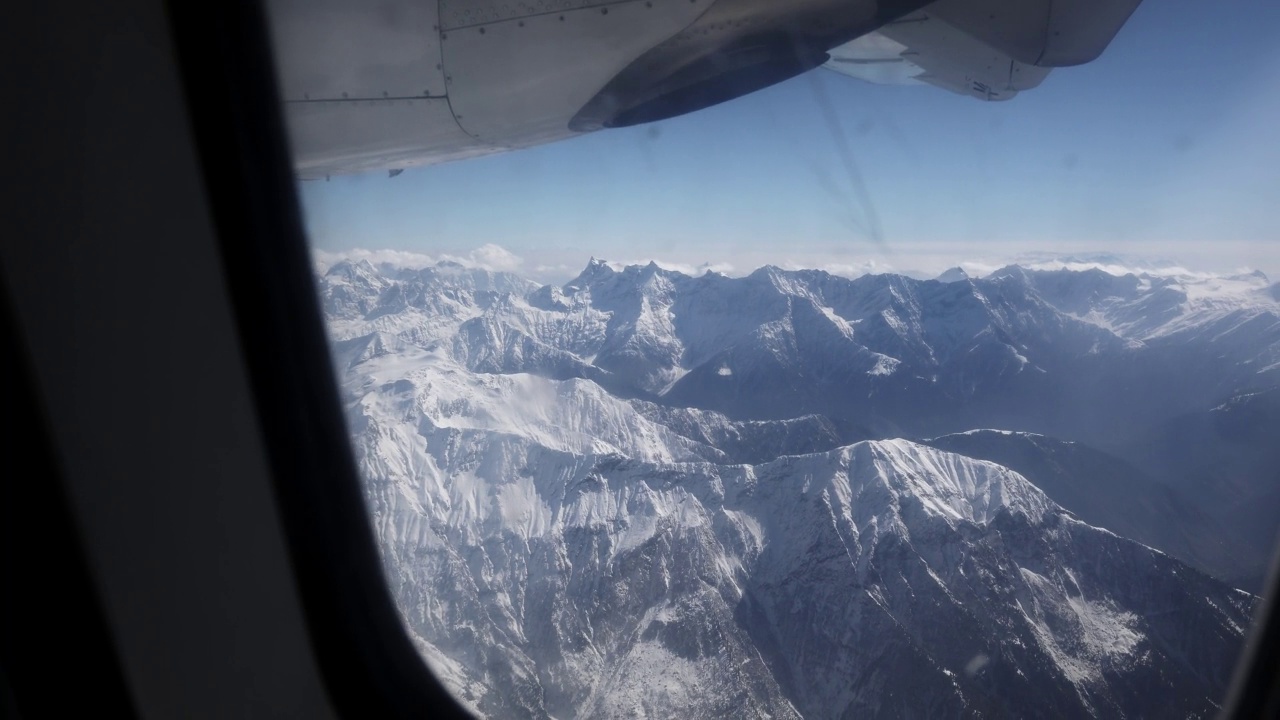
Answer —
1168 145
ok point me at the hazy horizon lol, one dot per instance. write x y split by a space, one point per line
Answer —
495 257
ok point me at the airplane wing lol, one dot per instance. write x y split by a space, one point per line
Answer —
392 84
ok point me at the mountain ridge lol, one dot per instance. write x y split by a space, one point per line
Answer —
565 538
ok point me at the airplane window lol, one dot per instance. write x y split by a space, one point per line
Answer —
719 358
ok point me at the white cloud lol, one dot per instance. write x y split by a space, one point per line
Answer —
844 269
394 258
490 257
486 257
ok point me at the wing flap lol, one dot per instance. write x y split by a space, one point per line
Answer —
923 48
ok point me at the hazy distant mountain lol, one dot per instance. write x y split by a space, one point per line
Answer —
649 494
1079 355
1108 492
1228 459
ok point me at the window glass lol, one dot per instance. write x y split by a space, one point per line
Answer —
935 371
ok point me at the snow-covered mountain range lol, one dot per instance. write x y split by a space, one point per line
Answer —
645 494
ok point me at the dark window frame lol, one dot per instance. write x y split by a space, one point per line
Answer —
369 665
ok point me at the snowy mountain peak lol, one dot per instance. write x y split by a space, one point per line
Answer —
352 270
649 494
595 271
949 486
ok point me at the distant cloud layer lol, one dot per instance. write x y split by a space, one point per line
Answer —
493 257
928 264
486 257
